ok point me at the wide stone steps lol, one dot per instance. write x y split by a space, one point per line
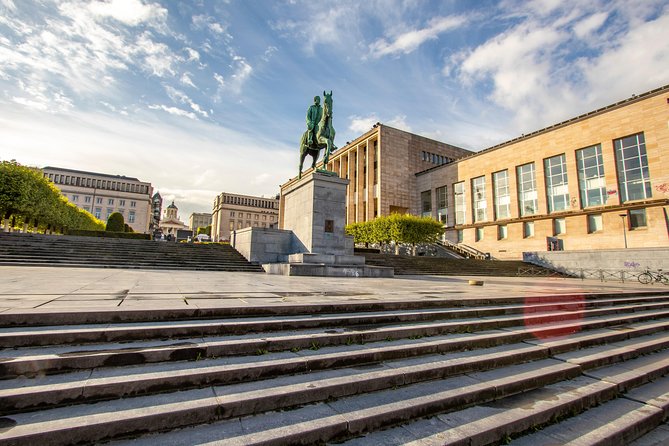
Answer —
48 250
417 265
293 375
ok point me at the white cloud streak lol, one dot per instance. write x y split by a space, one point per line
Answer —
409 41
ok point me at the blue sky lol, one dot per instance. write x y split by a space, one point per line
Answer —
200 97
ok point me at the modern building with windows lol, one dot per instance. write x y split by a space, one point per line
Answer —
233 211
382 165
597 181
102 194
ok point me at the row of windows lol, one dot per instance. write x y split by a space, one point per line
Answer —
255 202
434 158
97 212
635 219
248 216
631 168
74 198
241 225
98 184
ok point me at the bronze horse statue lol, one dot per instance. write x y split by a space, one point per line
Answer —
324 136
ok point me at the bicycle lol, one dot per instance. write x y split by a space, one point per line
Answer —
648 276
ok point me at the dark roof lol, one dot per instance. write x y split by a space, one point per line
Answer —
83 172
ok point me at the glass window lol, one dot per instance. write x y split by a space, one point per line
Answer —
87 199
559 226
232 225
501 191
109 212
110 202
75 197
131 217
232 213
528 229
121 202
501 232
255 216
595 223
479 203
459 198
98 200
461 235
591 181
637 218
557 188
442 204
527 189
98 213
632 165
426 203
87 208
479 234
133 204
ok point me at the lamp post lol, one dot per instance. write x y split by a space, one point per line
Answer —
624 228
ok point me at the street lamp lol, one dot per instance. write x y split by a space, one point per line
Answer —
624 228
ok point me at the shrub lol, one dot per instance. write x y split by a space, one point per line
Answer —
115 223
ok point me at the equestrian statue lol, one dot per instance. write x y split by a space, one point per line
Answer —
319 134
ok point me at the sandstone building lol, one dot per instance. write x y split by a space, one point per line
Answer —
233 211
597 181
102 194
170 224
381 166
198 220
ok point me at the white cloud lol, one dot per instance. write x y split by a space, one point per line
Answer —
186 80
9 4
192 55
129 12
173 111
590 24
360 124
409 41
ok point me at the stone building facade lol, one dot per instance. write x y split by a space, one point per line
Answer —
597 181
102 194
198 220
170 223
381 166
233 211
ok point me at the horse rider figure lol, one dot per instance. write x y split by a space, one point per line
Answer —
314 115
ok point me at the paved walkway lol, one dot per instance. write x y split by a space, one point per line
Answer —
49 289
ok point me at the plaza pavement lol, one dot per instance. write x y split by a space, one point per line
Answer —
57 289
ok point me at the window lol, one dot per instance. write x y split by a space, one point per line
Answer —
232 213
442 204
239 224
264 217
249 217
131 217
459 198
527 189
557 189
75 197
559 226
501 232
121 202
501 192
479 234
109 212
426 203
110 202
528 229
133 204
248 224
591 181
98 212
98 200
255 216
271 218
594 223
87 208
232 225
460 235
479 203
632 165
637 218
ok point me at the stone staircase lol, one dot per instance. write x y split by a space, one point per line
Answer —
54 250
566 369
418 265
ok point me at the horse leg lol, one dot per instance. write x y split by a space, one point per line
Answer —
303 155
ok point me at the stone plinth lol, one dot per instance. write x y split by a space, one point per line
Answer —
314 208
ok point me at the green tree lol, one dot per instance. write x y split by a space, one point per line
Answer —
115 223
401 229
204 230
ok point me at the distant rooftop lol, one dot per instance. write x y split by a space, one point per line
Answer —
83 172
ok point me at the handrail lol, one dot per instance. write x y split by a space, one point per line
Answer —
463 249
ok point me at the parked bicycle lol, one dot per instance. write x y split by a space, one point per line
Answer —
648 276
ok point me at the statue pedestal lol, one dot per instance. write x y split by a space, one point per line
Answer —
312 239
314 208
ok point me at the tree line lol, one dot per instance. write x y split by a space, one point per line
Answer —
397 229
27 199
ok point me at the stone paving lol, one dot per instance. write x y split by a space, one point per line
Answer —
46 289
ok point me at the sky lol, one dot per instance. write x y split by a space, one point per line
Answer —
202 97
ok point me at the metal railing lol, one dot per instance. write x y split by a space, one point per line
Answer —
467 251
602 275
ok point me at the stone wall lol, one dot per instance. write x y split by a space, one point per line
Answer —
632 260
